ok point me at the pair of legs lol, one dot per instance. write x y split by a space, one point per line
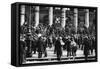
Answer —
59 53
68 54
45 52
39 54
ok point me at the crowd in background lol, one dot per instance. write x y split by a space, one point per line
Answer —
29 45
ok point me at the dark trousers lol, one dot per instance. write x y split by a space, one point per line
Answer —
22 57
45 53
68 53
86 57
86 52
39 54
29 52
55 50
74 49
34 50
59 53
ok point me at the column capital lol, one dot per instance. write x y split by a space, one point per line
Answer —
22 9
86 10
37 9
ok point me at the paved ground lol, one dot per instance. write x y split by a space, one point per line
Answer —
51 57
50 53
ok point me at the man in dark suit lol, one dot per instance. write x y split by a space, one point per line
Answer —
34 46
28 44
44 46
40 47
65 41
68 47
55 45
86 47
58 49
90 46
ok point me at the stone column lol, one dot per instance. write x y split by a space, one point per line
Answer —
63 17
87 18
75 18
30 17
22 14
36 16
50 16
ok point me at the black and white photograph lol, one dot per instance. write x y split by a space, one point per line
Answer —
57 34
50 34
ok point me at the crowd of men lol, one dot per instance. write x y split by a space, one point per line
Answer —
71 43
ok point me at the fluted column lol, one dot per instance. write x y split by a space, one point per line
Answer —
87 18
36 16
63 17
30 21
75 18
22 14
50 16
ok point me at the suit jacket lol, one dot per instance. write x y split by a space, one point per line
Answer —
40 45
86 46
58 46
